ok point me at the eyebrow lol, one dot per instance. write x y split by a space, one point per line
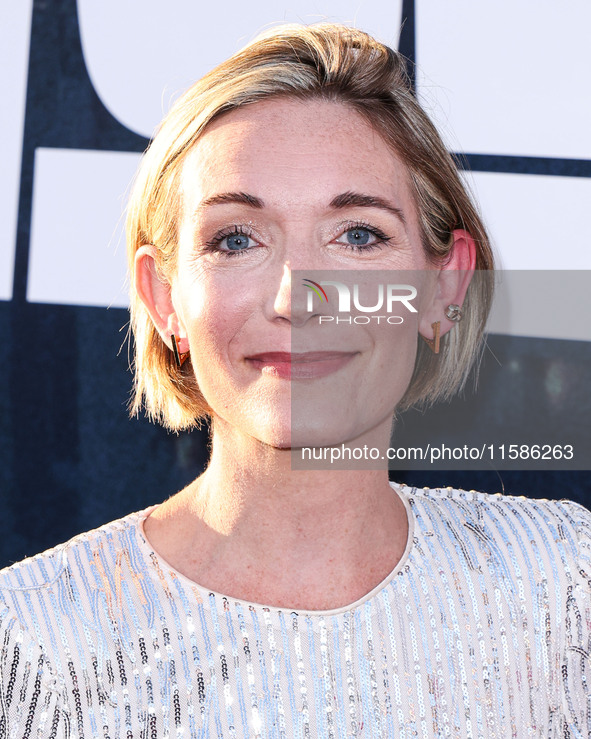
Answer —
344 200
357 200
232 197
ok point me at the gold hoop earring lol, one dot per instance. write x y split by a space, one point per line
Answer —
178 357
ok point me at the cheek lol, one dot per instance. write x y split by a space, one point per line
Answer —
214 315
396 343
426 284
395 355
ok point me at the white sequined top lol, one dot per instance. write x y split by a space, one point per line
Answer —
482 630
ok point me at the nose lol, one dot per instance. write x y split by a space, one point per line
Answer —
289 301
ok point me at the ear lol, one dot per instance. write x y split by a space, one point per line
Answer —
156 294
451 284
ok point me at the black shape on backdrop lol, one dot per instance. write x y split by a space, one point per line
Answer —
525 165
70 459
407 44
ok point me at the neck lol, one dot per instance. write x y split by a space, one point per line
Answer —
250 517
246 476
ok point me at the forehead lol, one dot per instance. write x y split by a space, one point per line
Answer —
293 151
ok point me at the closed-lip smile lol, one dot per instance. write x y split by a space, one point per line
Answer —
301 366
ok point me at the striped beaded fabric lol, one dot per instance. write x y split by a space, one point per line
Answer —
481 630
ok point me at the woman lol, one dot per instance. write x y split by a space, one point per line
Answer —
266 601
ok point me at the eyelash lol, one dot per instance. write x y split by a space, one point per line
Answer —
380 236
213 245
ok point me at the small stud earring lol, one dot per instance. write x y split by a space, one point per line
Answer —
453 312
178 357
433 343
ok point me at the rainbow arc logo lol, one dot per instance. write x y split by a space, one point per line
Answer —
318 289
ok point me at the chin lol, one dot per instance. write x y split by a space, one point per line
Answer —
323 436
303 437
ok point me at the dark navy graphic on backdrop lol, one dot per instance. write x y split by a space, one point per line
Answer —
70 457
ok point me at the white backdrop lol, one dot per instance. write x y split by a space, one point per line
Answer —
499 77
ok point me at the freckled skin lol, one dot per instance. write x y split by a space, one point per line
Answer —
250 526
295 157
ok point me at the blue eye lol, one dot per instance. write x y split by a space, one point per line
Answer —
359 236
231 242
236 241
362 238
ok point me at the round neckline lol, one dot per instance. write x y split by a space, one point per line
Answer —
401 490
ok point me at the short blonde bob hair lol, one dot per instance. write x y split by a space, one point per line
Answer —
328 62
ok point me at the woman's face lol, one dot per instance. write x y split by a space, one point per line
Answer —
276 187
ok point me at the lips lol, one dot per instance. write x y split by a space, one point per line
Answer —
305 365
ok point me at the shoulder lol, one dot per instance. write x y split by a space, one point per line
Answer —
52 624
41 569
493 505
34 588
548 536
